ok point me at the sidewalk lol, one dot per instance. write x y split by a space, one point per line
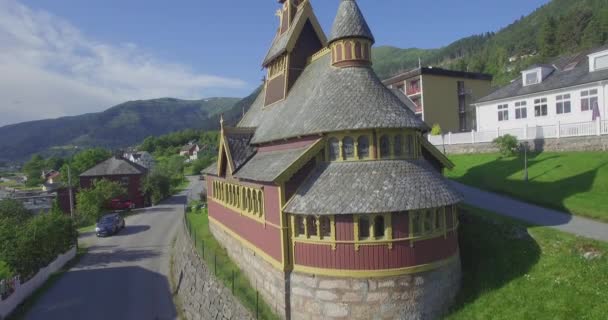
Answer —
533 214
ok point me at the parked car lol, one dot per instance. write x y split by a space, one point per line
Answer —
109 225
119 204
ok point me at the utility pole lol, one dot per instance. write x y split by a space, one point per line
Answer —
70 192
525 145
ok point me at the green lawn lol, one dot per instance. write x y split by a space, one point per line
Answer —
227 271
575 182
515 271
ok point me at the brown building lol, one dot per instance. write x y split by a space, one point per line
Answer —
326 194
118 169
443 96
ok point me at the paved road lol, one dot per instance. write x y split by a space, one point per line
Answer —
533 214
124 276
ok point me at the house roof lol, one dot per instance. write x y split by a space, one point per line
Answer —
372 187
350 23
115 167
211 170
267 166
326 99
438 72
238 142
569 71
188 147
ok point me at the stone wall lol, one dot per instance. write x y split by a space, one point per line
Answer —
201 295
425 295
269 281
588 143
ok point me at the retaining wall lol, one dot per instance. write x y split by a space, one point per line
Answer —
589 143
24 290
201 296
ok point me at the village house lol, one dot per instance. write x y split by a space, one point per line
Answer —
326 194
142 158
443 96
117 169
190 151
566 97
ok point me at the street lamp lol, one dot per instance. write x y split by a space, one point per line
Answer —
525 146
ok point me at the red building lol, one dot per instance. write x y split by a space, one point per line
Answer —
120 170
326 193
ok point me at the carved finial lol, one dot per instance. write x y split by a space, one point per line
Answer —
222 121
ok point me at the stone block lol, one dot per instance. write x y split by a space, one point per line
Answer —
335 310
334 284
325 295
377 296
386 284
303 280
302 292
353 296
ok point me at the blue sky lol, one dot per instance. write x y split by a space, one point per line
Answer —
205 47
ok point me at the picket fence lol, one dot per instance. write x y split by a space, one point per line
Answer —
581 129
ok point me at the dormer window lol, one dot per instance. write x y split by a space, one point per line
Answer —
598 61
531 78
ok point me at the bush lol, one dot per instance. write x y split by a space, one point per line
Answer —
158 186
436 130
92 202
5 271
507 145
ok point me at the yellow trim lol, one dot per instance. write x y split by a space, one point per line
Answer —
318 239
284 228
375 273
275 263
374 143
231 196
436 153
321 53
372 239
228 155
308 154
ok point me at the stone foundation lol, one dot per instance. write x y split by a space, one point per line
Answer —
200 294
426 295
588 143
270 282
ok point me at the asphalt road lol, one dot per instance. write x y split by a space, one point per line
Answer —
124 276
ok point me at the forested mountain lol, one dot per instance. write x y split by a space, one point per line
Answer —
120 126
559 27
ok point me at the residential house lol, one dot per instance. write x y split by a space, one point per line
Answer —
568 94
123 171
443 96
190 151
51 180
142 158
327 183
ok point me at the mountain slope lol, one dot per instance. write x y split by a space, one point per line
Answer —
572 26
120 126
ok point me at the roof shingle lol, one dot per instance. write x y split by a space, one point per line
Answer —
115 167
350 23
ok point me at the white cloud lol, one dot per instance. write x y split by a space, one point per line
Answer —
50 69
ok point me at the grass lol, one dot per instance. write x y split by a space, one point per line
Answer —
21 311
516 271
574 182
224 268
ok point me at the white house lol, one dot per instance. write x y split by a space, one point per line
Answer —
565 94
142 158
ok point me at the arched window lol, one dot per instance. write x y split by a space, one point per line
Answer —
260 203
385 147
334 149
311 222
429 216
256 209
348 50
358 50
363 147
379 227
416 220
363 227
244 201
348 148
410 146
338 52
398 146
325 227
299 226
249 200
366 54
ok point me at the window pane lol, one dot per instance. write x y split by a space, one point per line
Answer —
334 149
410 146
567 107
438 220
348 145
585 104
363 227
363 147
299 226
325 227
398 145
416 223
384 147
428 221
379 226
312 226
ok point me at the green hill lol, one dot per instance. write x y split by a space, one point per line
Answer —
558 27
120 126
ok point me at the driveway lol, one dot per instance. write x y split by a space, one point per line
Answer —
124 276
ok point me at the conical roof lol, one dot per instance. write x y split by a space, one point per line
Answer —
350 23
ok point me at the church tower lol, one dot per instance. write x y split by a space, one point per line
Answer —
351 39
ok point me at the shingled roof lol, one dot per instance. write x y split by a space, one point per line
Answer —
372 187
350 23
326 99
569 71
267 166
238 142
115 167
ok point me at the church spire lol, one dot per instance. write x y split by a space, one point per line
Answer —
351 38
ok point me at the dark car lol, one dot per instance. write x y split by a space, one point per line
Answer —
109 225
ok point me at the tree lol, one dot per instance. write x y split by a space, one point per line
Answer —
436 130
33 170
92 202
82 162
158 186
547 41
507 145
13 211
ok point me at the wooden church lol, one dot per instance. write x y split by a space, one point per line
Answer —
327 193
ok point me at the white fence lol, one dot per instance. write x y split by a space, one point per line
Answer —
593 128
24 290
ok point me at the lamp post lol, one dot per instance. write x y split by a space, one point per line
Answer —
524 145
